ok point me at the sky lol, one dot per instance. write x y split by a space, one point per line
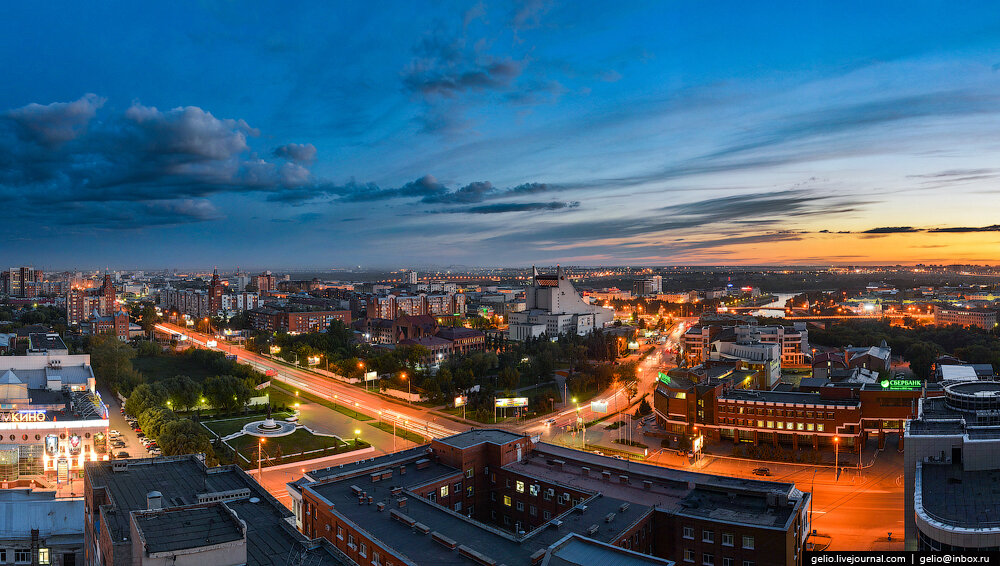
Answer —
406 134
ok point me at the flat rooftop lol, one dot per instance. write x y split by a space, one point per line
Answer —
503 547
677 491
184 528
961 497
479 436
180 479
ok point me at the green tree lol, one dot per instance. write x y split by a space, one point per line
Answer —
227 392
152 420
921 356
144 396
111 359
184 436
182 392
147 318
644 408
509 378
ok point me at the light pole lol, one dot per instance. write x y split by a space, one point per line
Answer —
260 452
409 393
357 433
836 458
361 366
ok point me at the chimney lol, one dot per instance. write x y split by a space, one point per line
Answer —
153 500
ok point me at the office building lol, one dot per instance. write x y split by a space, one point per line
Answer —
978 317
495 497
645 288
392 305
82 303
793 343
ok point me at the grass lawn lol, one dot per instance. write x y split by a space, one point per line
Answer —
400 432
162 367
225 427
289 447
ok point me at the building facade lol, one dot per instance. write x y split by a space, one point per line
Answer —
553 306
978 317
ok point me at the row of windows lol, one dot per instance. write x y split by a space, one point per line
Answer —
23 555
708 559
778 425
776 412
728 539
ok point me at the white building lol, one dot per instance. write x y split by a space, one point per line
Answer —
765 358
553 306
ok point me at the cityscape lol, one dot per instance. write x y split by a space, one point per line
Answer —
498 283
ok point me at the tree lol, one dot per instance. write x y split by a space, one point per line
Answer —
227 392
144 396
147 318
153 420
921 356
509 378
183 436
644 408
182 392
111 359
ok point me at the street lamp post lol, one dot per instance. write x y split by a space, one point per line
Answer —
836 458
409 392
260 453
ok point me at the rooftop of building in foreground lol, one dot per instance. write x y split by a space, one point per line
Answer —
198 507
619 495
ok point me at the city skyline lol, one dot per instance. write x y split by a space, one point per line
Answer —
499 134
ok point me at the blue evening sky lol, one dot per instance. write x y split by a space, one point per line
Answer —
320 134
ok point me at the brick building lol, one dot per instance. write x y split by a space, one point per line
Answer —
495 497
23 282
81 304
720 410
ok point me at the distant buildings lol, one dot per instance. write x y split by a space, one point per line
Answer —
874 358
494 497
647 287
424 330
978 317
81 304
393 305
552 306
292 321
23 282
793 343
215 300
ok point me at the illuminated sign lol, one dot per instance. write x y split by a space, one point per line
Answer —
211 343
599 406
37 416
371 376
502 402
633 345
901 384
461 400
662 377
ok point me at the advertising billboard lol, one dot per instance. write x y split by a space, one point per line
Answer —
461 400
502 402
599 406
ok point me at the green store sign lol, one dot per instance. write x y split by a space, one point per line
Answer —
901 384
664 378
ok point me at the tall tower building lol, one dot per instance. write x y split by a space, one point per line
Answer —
215 293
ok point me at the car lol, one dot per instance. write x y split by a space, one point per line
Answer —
122 454
550 422
114 432
761 471
139 433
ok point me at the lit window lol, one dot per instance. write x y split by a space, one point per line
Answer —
798 426
809 426
533 489
780 424
819 427
444 491
43 556
520 487
506 500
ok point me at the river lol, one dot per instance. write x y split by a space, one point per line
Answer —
776 308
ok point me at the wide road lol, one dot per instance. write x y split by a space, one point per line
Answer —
413 418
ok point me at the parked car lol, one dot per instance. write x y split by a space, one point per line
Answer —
114 432
122 454
761 471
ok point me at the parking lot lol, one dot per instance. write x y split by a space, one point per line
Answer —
128 440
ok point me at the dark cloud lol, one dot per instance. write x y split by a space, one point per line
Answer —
961 229
301 153
891 230
154 165
52 124
517 207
